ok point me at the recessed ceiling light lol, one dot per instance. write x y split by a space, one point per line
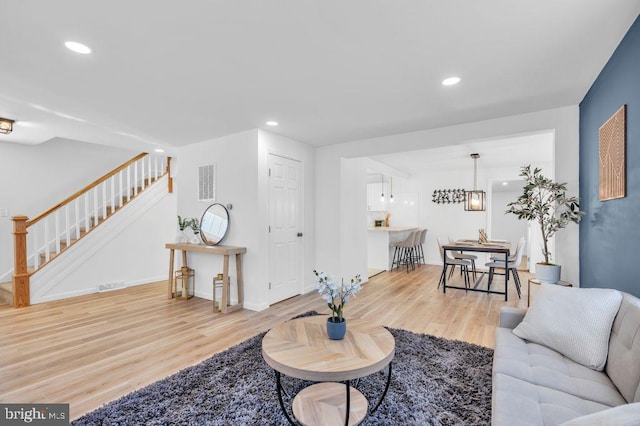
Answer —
159 150
505 183
271 123
450 81
77 47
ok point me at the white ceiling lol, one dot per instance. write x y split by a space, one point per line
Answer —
509 152
169 74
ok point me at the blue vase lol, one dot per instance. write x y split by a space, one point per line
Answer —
336 330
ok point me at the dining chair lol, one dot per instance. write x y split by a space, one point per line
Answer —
512 266
512 255
465 256
453 262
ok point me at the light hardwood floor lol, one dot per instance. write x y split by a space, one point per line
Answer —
92 349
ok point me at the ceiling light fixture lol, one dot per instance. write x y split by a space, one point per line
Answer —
475 201
391 192
271 123
159 150
6 126
382 187
450 81
77 47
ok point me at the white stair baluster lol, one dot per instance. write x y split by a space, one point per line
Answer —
103 188
155 166
56 237
142 175
67 225
120 193
46 239
113 194
34 248
128 183
96 207
77 226
86 211
135 178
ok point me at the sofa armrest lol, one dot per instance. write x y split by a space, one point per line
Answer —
511 317
626 414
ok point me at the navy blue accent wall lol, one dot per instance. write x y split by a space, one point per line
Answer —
610 231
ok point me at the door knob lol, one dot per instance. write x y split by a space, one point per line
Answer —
299 234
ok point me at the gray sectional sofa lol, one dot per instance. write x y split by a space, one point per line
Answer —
535 385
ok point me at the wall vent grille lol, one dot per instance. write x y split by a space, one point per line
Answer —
207 183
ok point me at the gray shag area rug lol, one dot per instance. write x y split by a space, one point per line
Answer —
434 381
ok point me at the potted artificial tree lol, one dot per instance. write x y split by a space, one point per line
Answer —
545 202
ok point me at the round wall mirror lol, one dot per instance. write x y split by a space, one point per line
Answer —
214 224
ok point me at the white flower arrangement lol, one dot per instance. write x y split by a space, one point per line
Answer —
336 294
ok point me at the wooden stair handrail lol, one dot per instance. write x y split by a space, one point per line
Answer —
85 189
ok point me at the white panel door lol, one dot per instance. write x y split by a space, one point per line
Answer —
285 228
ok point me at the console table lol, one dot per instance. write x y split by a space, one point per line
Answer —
225 251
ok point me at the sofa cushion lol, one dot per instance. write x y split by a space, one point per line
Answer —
573 321
545 367
623 365
623 415
517 402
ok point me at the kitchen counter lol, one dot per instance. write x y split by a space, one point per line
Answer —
379 249
391 228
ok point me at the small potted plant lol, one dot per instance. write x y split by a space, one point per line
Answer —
546 203
183 223
194 223
336 295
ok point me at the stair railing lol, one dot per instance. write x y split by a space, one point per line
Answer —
39 240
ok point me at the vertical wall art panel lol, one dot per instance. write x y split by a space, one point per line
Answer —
612 156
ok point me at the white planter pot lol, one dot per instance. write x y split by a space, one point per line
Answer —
549 274
181 237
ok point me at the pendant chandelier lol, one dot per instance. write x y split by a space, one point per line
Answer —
475 201
6 126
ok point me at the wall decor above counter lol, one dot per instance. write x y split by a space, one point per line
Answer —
448 196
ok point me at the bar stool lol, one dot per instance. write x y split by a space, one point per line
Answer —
404 253
419 246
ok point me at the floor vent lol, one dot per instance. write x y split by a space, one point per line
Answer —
110 286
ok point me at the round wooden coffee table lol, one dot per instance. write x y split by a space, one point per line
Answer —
300 348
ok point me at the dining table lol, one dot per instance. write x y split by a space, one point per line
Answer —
498 247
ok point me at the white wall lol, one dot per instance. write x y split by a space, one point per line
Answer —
127 249
353 211
236 159
242 175
506 226
36 177
333 183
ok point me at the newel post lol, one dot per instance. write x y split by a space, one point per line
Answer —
21 296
